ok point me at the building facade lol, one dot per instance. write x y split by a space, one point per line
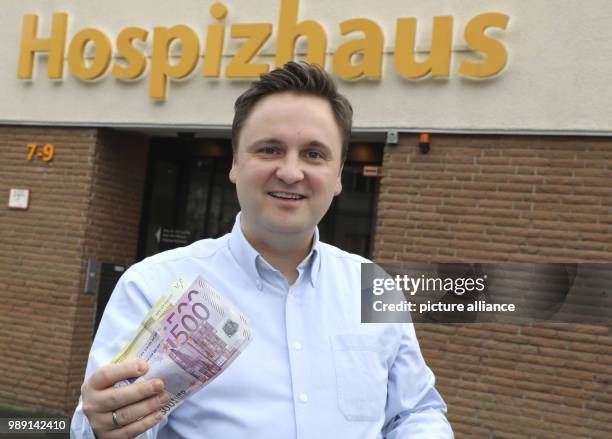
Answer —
483 132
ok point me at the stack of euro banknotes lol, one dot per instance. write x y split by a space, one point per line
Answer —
189 337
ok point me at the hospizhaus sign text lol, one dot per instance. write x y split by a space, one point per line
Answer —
358 56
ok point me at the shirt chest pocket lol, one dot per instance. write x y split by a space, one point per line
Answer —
361 376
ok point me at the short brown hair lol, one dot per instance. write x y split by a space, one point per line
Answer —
301 78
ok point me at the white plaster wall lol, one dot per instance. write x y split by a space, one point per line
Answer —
558 77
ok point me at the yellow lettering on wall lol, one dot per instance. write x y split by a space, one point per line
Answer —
289 30
161 69
370 47
438 63
495 51
136 60
214 42
257 34
54 46
76 54
358 57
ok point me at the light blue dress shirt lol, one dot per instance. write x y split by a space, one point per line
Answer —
313 370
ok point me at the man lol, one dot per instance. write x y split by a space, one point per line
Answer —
312 369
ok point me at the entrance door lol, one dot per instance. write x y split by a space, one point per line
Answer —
189 194
190 197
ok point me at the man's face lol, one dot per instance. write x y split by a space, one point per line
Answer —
287 168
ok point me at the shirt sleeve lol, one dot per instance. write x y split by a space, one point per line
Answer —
414 409
129 303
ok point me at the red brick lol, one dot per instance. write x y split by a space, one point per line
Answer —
76 203
532 199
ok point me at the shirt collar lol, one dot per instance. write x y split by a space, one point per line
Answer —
247 256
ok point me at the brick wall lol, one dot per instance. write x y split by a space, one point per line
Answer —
473 198
113 221
45 319
507 198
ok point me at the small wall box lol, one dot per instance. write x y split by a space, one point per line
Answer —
19 198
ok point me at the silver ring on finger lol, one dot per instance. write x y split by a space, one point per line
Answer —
115 421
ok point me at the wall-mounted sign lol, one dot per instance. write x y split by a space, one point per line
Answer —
19 198
172 236
372 171
360 55
45 153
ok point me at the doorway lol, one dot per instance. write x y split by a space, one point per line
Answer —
189 196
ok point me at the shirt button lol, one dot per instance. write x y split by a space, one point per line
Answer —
259 285
304 397
297 345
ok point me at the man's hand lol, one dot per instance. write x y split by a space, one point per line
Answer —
136 407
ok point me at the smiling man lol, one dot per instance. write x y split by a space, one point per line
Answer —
287 168
313 369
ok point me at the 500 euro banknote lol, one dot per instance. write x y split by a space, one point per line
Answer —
189 337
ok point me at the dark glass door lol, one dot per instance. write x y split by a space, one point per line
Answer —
349 222
189 197
189 194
